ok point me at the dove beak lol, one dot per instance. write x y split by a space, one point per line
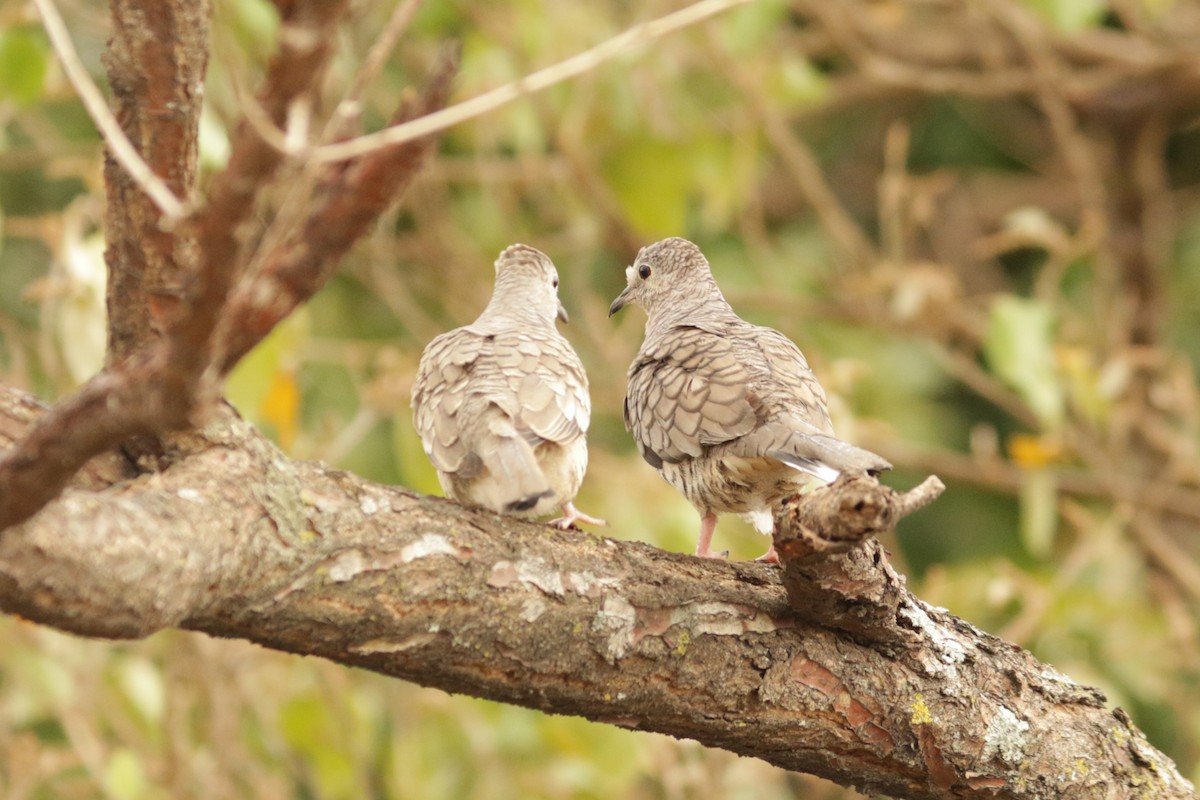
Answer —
620 302
562 312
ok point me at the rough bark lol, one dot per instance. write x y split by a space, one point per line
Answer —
238 541
156 60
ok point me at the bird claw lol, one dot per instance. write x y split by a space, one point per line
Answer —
571 515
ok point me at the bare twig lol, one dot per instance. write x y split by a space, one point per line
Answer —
1000 475
803 166
122 149
534 82
963 367
919 496
293 71
350 105
350 199
1171 558
1078 155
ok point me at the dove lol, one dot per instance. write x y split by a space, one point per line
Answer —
502 404
729 413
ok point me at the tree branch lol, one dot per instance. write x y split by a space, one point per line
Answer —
294 72
158 385
237 541
156 61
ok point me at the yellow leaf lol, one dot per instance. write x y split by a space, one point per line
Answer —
281 406
1031 452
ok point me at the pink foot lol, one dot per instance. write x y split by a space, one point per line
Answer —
769 557
571 515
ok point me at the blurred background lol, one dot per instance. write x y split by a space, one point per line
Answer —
981 222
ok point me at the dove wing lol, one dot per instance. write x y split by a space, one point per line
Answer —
796 428
786 384
443 382
469 382
550 389
688 390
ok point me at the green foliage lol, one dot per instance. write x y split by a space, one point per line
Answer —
124 776
651 180
1019 348
1070 16
1038 501
24 61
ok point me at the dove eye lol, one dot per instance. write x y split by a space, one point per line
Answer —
644 271
554 283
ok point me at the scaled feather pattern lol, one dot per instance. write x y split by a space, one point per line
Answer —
502 404
729 413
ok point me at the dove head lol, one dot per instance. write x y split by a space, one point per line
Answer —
526 287
671 280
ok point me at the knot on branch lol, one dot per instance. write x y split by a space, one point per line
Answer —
837 517
836 574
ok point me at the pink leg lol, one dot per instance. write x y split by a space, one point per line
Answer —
571 515
708 524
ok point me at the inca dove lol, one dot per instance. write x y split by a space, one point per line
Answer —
728 412
502 404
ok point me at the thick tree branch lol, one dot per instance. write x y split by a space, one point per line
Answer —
156 60
110 409
830 667
238 541
834 568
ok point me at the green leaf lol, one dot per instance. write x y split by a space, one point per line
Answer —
795 81
746 29
1038 501
24 61
124 777
142 682
255 23
652 179
214 141
1019 347
1070 16
316 734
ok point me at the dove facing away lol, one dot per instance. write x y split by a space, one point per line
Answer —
728 412
502 404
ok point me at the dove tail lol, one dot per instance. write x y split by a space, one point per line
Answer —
517 482
826 457
810 466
